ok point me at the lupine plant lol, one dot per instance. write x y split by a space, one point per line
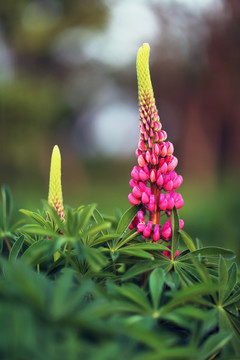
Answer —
156 164
78 284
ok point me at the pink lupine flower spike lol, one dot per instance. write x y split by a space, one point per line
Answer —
154 180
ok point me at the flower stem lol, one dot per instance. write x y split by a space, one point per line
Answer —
155 215
8 244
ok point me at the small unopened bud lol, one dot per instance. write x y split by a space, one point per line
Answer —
170 148
153 175
137 192
148 229
133 200
151 204
141 160
145 198
156 233
148 157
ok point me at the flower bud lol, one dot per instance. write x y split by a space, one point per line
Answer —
168 186
151 204
140 227
163 150
133 183
134 223
135 173
142 186
162 135
142 146
171 163
170 148
143 175
137 192
181 224
156 233
141 160
153 175
166 231
145 198
148 157
133 200
141 216
177 182
170 203
178 201
159 179
163 168
154 159
149 143
148 229
163 203
155 149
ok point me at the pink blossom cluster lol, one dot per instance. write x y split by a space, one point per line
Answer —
154 181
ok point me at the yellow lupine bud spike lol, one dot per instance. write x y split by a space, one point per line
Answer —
55 188
150 125
145 90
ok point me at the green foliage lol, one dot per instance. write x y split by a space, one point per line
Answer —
109 295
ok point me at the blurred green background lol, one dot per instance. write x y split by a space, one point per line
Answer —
68 77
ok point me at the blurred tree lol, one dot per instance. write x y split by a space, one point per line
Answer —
212 126
34 103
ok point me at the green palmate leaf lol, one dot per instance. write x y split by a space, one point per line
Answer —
92 256
222 277
30 286
214 343
133 293
36 252
189 294
17 225
6 206
42 250
187 240
185 275
175 231
85 215
38 230
199 244
127 218
37 217
135 252
156 282
232 280
201 272
96 228
233 299
147 246
194 312
211 251
129 235
67 297
99 219
144 266
16 248
104 238
55 217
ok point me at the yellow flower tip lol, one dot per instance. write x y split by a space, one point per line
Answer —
55 188
143 74
56 152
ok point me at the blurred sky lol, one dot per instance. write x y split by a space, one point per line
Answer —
113 49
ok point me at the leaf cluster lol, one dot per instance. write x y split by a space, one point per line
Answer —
91 288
